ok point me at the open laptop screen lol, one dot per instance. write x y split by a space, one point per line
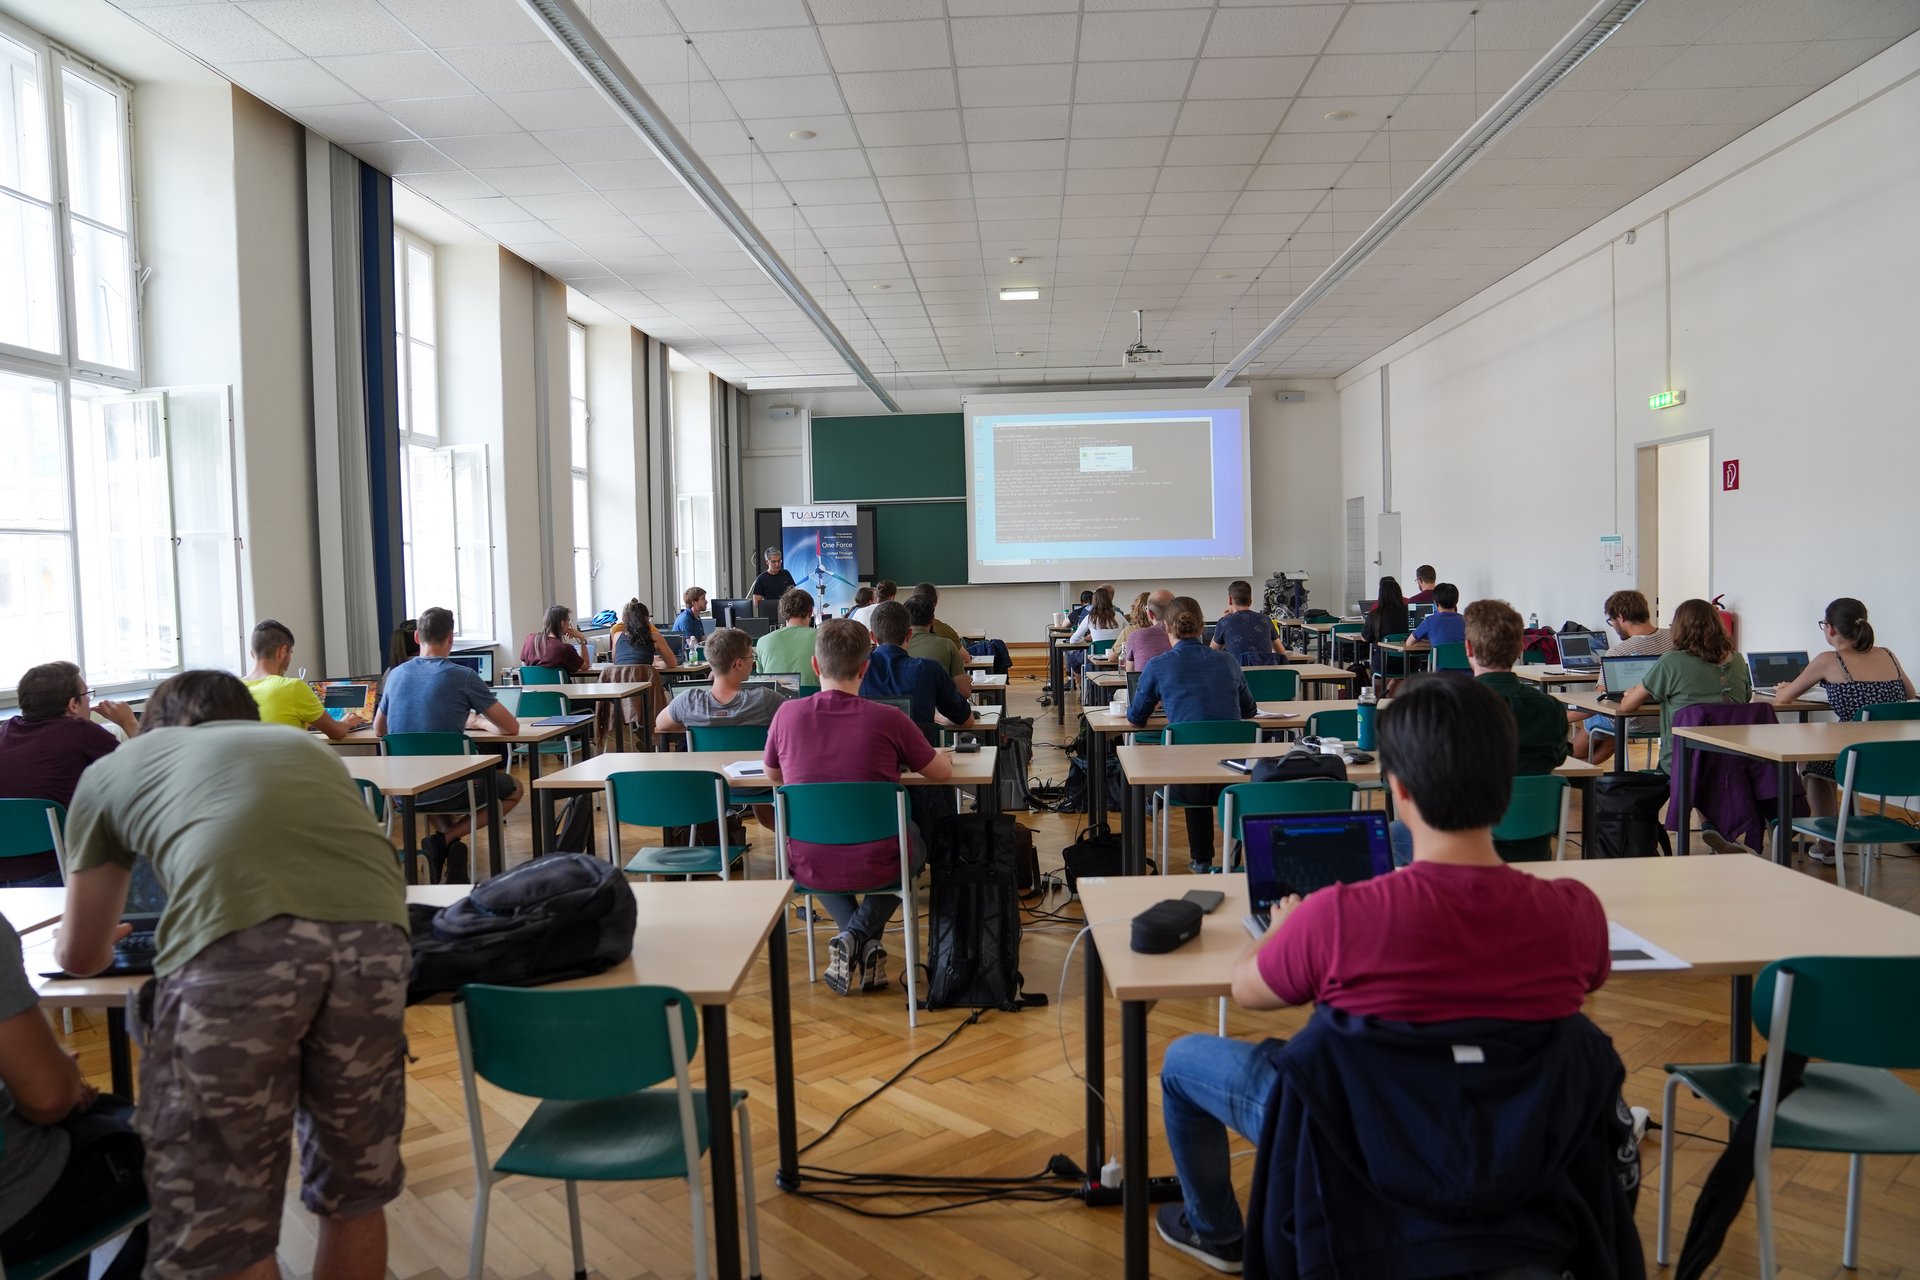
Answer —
1576 646
1298 853
1624 673
1776 668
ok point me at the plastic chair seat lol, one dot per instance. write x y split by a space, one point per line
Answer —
684 860
801 890
1862 828
626 1139
61 1257
1840 1107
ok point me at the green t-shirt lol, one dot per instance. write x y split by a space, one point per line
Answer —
925 644
788 649
1681 680
242 822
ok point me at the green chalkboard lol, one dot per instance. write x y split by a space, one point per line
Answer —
889 457
921 542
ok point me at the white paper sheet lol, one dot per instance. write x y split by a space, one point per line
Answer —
1634 954
741 769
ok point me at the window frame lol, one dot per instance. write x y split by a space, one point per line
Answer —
580 468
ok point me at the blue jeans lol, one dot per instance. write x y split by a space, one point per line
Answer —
1400 836
1207 1085
45 880
865 918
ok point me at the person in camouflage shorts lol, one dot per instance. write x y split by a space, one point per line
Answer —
280 991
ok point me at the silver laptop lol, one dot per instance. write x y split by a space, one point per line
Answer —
1773 669
1623 674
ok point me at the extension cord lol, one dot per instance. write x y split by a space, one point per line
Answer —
1161 1190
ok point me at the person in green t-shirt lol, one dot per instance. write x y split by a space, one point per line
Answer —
281 976
790 648
1703 667
925 643
282 699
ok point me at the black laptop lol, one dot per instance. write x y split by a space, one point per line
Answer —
1775 668
1301 852
146 900
1623 673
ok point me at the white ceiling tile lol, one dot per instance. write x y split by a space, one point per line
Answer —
491 212
1017 207
1728 66
290 83
833 191
1019 182
1111 181
784 96
1191 202
1124 119
1024 86
341 26
660 59
831 132
398 158
217 33
615 175
745 55
1216 150
489 151
1268 32
347 125
876 91
907 212
1366 73
1114 205
993 42
908 128
887 46
1309 115
1218 177
736 15
1014 124
891 161
1882 19
1108 37
383 76
450 117
574 204
836 11
1016 155
1158 81
443 24
1238 115
1401 28
510 68
1315 148
585 145
581 108
1249 77
1750 106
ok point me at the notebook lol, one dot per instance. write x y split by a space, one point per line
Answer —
1624 673
1301 852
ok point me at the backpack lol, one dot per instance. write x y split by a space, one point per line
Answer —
1624 821
573 832
973 916
1542 641
1015 741
566 915
1094 852
1298 764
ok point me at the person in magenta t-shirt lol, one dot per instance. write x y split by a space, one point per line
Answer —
1458 934
838 736
553 644
45 748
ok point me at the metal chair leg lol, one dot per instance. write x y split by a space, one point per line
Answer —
1850 1246
573 1226
747 1195
1666 1170
477 1251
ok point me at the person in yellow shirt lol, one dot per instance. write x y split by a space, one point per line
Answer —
282 698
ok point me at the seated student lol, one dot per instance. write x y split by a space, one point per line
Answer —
1457 935
839 736
282 699
1134 616
1079 611
1246 633
44 750
404 643
553 644
1424 585
1389 614
640 643
1149 640
731 700
1874 675
1495 635
1102 622
53 1189
883 591
894 672
789 648
280 996
923 643
1195 683
434 694
1632 620
939 628
687 622
1702 667
861 599
1444 625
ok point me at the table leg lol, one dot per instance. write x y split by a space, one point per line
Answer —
496 850
1682 801
542 820
1095 1017
119 1051
1133 837
619 729
1057 678
721 1153
787 1177
1096 778
1783 806
1619 741
409 837
1133 1120
1586 809
1740 1017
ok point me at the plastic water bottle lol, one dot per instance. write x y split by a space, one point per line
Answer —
1533 622
1364 718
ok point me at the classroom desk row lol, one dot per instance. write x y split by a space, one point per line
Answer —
1726 915
1589 701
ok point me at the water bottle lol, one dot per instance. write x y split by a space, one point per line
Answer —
1364 718
1533 622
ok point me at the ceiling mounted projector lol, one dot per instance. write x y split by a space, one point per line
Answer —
1139 355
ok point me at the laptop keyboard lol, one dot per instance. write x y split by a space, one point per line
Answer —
1259 922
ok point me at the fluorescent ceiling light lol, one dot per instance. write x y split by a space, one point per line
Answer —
1022 294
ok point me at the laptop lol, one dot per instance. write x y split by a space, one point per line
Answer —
342 700
481 664
146 900
1581 650
785 680
754 627
1773 669
1366 606
1622 674
1301 852
1417 614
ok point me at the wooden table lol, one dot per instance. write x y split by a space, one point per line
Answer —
1784 744
1148 768
30 909
1588 700
1322 633
363 741
1408 649
1726 915
979 662
1320 673
404 779
603 692
991 686
1551 677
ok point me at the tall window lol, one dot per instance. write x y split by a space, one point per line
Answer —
117 515
579 423
692 412
446 530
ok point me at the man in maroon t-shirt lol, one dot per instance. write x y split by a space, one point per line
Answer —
1458 934
838 736
44 749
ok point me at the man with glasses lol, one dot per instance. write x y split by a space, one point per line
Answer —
1632 620
45 748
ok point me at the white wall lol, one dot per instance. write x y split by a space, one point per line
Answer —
1789 266
1295 452
621 545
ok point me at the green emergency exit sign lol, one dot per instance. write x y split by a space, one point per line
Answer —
1666 399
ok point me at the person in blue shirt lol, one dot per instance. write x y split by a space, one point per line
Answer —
1444 625
892 672
1245 633
688 622
1193 682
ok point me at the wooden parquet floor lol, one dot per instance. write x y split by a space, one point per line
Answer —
1000 1100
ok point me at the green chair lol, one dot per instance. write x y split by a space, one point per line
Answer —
1273 684
850 813
1451 657
600 1118
1340 630
1100 648
31 827
1401 664
1859 1013
671 798
438 744
59 1258
542 675
1245 800
1882 769
537 706
727 737
1536 810
1891 711
1208 732
371 797
1344 725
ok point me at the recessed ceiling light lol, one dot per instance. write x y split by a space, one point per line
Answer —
1223 275
1331 115
883 286
1025 293
1016 261
808 135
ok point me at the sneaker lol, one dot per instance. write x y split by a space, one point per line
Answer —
874 961
1720 844
458 864
843 971
1171 1221
434 850
1200 868
1821 852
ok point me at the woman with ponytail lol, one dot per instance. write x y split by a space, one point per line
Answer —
1855 673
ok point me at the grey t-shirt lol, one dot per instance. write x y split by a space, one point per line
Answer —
754 704
432 695
35 1153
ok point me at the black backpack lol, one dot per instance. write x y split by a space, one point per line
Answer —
1298 764
973 916
573 831
1624 821
563 916
1015 759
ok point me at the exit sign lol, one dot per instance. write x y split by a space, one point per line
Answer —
1730 475
1666 399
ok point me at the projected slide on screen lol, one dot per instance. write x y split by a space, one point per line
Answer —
1114 488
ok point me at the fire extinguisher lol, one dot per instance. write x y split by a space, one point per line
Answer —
1728 620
